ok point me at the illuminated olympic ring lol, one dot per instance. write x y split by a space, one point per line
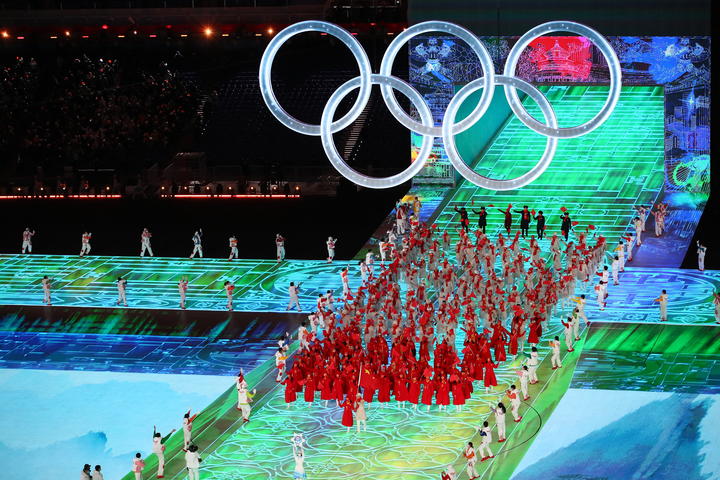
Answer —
426 127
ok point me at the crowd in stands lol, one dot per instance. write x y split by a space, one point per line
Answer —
87 112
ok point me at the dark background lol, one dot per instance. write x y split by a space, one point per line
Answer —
116 224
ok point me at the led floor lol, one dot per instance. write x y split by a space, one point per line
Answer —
261 285
598 177
643 403
399 443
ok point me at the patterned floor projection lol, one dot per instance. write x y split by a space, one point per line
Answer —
261 285
399 443
598 177
652 391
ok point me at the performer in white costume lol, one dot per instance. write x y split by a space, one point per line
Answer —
331 248
85 248
280 247
233 247
27 240
197 243
192 462
158 448
145 242
182 288
663 301
122 291
46 290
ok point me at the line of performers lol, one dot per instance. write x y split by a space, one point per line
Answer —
146 246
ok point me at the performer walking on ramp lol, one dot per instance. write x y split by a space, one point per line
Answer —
158 449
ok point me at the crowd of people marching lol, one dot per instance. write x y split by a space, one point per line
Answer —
426 325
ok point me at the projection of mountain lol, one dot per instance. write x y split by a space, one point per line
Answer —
659 441
64 459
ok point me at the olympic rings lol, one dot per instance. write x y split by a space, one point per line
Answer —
426 127
268 94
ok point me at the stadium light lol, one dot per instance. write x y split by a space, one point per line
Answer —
208 31
5 34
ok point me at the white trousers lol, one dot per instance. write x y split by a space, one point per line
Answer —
569 338
638 233
576 325
197 249
615 274
233 253
193 473
501 428
524 388
485 447
182 300
85 249
161 463
294 301
26 246
701 262
663 311
621 262
280 254
532 369
138 475
244 409
122 298
229 302
555 358
145 246
514 409
47 295
331 253
186 437
472 473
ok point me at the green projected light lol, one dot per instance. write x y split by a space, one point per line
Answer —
598 177
261 285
